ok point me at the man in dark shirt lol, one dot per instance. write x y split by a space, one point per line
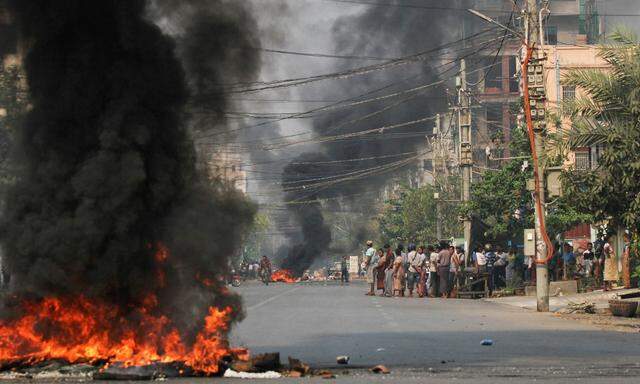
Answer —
344 270
444 264
491 260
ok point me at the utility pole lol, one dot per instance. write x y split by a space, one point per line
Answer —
535 111
466 153
438 160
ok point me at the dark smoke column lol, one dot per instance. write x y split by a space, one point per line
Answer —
307 213
108 168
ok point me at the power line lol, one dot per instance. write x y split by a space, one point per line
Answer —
410 6
326 55
417 57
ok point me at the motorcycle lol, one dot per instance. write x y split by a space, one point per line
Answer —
234 279
265 276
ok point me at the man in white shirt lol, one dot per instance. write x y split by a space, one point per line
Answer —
433 270
371 264
481 261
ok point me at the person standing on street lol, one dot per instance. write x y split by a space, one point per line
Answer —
388 271
587 260
380 270
344 270
398 274
490 258
371 261
610 267
414 263
569 262
481 261
444 265
433 271
422 272
500 267
454 270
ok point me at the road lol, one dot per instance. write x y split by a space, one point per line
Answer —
429 338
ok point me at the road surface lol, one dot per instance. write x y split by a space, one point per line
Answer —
430 340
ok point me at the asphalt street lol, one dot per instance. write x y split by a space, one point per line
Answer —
428 338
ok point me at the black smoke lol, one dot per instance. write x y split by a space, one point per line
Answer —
315 234
383 32
217 42
108 175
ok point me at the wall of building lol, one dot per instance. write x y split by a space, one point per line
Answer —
560 60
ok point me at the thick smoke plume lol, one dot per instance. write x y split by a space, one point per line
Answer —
316 234
217 42
108 176
383 32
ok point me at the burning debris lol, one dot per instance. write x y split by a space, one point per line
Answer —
109 222
283 276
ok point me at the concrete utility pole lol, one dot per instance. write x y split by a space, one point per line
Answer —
466 153
438 159
535 80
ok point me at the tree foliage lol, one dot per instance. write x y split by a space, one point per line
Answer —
256 236
608 115
411 217
502 207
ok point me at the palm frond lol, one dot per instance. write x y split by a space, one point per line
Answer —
587 132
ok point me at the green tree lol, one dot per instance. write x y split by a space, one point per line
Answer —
256 236
608 115
502 207
411 217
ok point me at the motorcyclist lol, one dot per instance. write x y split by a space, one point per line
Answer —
265 267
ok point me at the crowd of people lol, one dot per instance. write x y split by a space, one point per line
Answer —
426 270
595 262
438 271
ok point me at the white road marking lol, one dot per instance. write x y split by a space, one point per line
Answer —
267 301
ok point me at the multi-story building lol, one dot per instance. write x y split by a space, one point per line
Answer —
572 30
226 165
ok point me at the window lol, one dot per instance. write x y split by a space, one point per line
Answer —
583 162
493 74
568 93
551 35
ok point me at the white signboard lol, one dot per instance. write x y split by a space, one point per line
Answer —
353 264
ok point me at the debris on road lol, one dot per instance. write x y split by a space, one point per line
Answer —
296 365
581 307
380 369
294 374
266 361
326 375
342 359
486 342
230 373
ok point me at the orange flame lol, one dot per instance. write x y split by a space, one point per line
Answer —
283 276
77 329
